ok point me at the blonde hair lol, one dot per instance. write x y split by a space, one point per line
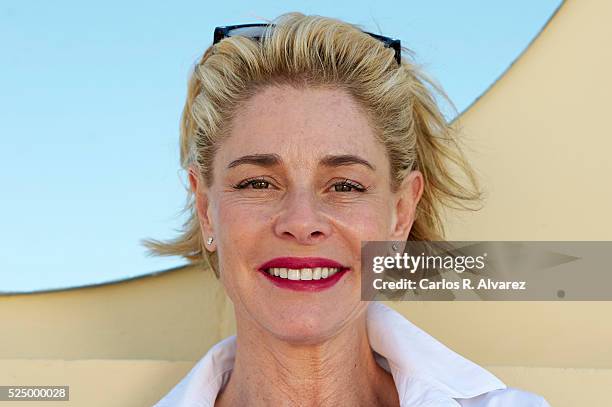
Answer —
309 51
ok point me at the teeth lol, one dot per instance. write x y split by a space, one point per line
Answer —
317 273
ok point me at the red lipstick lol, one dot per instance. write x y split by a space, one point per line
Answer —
301 263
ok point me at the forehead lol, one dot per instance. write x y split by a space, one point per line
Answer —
306 123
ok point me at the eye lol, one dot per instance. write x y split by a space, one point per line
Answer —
260 183
348 186
256 183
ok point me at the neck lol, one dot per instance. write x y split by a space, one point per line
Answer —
338 371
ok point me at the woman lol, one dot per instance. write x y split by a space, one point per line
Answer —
301 140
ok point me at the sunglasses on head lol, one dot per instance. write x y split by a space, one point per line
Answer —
256 30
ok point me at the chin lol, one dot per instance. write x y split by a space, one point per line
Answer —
305 336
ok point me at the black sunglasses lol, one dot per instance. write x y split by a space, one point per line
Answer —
255 31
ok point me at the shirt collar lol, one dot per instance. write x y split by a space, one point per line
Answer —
413 355
423 368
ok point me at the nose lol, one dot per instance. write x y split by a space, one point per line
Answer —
301 219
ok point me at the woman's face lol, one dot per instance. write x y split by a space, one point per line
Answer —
301 175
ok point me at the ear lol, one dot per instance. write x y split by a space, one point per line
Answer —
407 198
202 204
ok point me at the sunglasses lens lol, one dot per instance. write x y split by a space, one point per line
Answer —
251 32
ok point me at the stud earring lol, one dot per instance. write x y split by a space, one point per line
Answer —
209 240
394 247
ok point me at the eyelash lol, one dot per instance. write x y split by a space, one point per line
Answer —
352 184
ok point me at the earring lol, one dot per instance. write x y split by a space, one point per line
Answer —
209 240
394 247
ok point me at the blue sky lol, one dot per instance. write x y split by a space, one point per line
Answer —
91 94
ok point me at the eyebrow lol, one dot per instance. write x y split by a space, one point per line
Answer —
262 160
345 159
330 160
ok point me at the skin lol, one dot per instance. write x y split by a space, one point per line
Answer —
301 348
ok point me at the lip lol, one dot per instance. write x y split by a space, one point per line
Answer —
303 262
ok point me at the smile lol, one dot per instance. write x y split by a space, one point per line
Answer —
317 273
303 273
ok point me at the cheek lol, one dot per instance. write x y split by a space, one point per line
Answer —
368 220
238 222
362 223
239 228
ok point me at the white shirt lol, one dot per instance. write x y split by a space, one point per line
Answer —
425 372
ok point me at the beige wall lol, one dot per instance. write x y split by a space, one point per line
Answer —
540 140
138 338
540 137
178 315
